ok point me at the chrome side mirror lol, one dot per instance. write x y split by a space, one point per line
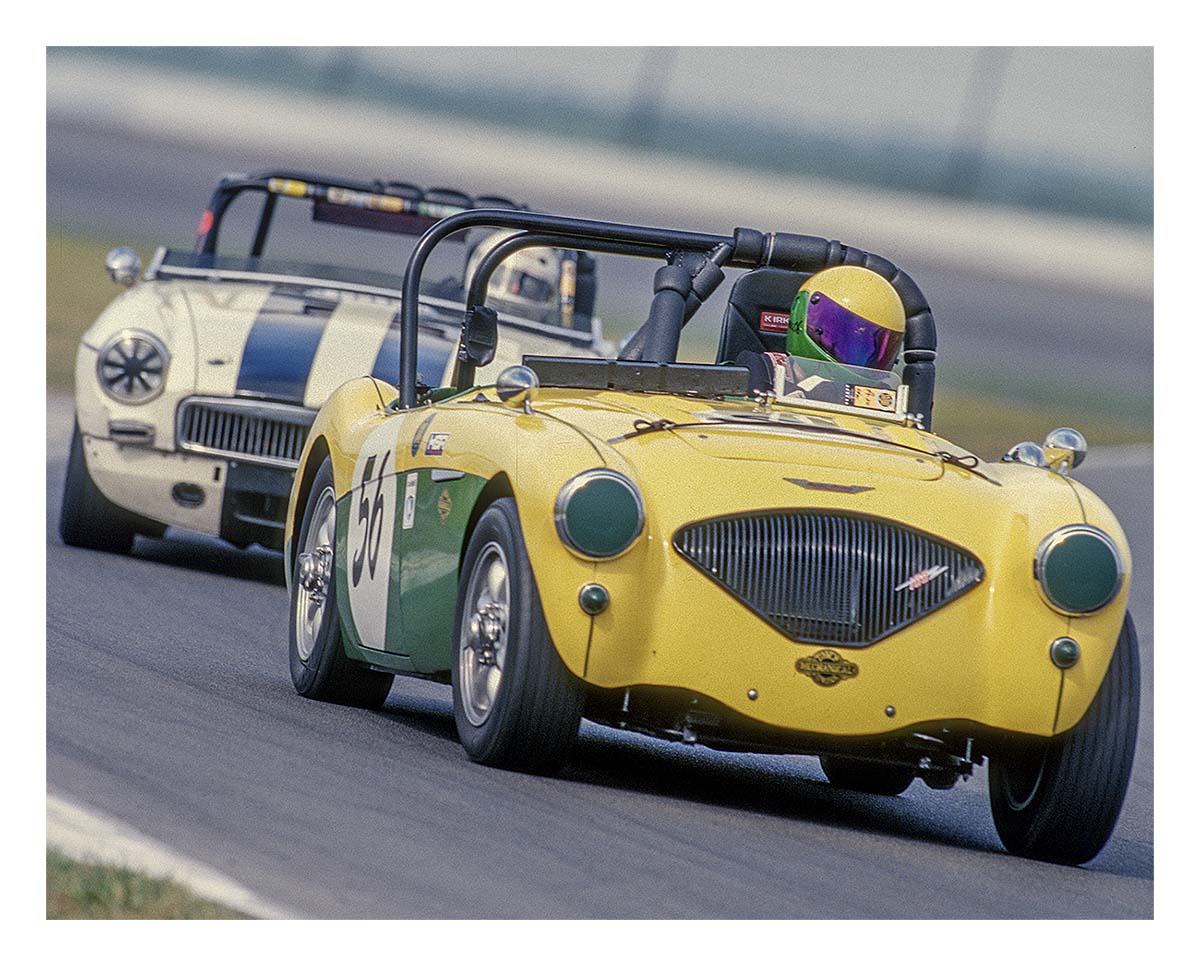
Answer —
517 386
1065 449
1028 453
124 266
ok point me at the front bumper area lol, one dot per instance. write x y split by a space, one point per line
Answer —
982 658
238 502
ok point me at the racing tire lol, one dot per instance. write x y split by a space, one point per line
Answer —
87 517
1057 800
871 777
319 665
516 705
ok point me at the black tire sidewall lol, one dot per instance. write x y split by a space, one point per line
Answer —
309 676
495 525
86 517
526 632
1093 762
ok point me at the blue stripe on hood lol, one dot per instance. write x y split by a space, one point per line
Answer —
281 347
432 356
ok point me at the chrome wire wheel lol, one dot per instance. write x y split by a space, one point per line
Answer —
314 573
483 633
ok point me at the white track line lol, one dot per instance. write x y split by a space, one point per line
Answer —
88 837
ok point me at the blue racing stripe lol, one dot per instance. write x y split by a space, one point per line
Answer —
432 355
281 347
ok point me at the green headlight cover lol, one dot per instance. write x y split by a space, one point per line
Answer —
1080 570
600 515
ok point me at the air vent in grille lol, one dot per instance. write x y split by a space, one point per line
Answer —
269 433
825 578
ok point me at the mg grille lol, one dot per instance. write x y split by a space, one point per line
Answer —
268 433
824 578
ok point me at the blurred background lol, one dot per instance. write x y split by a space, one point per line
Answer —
1015 185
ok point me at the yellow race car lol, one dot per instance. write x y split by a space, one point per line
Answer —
790 563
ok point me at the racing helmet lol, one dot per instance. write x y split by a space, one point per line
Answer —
524 284
847 314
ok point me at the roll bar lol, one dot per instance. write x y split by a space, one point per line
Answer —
745 248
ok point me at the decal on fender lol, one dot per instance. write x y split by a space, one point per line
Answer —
444 505
437 444
410 500
420 434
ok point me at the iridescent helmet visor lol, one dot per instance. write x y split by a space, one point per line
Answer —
849 338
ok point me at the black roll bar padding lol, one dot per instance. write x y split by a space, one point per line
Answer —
672 286
264 225
580 233
808 253
477 285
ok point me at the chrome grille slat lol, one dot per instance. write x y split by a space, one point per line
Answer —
254 432
828 578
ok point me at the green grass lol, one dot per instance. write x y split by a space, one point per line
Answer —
989 425
83 890
77 290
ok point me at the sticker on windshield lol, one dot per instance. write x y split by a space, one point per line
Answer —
869 397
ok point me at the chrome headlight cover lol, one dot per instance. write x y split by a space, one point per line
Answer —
1057 566
131 367
599 514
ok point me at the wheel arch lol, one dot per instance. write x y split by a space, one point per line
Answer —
497 488
318 452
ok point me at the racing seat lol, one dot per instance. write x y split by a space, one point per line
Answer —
757 313
756 321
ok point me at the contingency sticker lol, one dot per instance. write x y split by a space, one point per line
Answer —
437 444
869 397
410 500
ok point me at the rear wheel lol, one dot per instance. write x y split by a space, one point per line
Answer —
318 662
515 703
1058 800
866 776
87 517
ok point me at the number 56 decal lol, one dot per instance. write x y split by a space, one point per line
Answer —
369 537
370 518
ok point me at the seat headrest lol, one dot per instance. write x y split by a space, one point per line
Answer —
756 317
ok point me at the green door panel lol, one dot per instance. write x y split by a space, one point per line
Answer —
429 557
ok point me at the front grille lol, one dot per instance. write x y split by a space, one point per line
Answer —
269 433
825 578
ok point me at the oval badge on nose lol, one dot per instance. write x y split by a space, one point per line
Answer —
827 668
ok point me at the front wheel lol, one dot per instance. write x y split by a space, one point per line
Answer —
318 662
87 517
515 703
1058 799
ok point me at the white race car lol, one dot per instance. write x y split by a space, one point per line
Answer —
195 387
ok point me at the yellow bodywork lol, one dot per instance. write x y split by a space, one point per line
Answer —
983 657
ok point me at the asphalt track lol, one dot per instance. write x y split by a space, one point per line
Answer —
169 707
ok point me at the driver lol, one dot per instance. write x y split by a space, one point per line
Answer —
846 314
525 284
